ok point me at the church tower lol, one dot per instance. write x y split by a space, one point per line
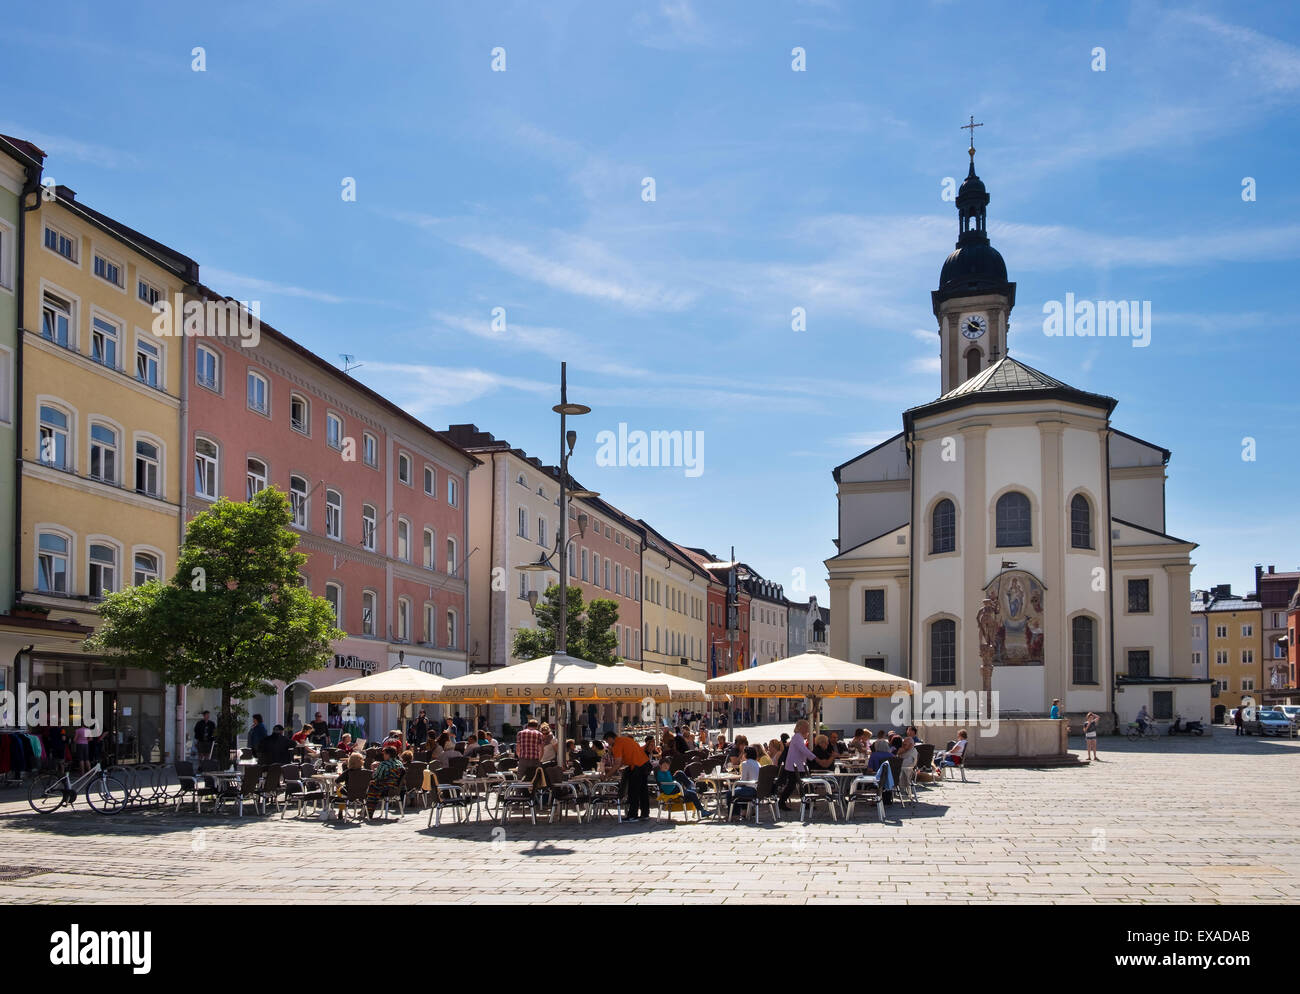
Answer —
974 300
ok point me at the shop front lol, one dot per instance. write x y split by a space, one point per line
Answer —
446 666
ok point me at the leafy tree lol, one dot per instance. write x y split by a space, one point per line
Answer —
235 615
590 628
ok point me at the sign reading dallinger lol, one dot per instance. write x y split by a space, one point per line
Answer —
366 666
33 708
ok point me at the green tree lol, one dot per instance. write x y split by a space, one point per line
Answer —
235 615
590 628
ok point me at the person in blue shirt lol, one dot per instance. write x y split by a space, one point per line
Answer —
668 786
1056 708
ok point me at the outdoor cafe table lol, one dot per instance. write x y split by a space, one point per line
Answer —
719 780
481 789
327 782
225 777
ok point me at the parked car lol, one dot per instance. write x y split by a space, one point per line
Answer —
1270 722
1292 711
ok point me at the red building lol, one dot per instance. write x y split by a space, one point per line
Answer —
728 635
378 497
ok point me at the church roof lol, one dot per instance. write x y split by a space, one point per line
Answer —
1010 379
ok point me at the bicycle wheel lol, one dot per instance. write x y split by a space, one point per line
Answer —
107 796
1134 735
45 793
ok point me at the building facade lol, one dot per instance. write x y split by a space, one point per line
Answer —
1234 643
100 476
379 502
674 620
1274 591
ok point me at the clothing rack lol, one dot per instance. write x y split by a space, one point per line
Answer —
12 777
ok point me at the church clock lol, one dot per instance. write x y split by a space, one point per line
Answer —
973 326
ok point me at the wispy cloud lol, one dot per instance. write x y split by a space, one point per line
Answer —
72 148
216 277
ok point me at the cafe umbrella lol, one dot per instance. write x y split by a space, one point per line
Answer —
402 685
814 676
561 679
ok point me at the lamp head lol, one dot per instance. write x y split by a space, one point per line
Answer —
532 601
571 437
582 525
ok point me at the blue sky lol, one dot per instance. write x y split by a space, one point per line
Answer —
774 189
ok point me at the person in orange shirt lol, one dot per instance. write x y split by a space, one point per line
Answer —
628 754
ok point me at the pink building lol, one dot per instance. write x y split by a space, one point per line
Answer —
380 500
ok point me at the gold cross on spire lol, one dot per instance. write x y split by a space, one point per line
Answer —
971 128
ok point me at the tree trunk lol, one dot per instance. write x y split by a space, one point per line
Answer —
226 731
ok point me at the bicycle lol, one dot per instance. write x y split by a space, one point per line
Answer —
106 795
1135 731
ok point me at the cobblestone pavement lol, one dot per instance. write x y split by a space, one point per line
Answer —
1176 820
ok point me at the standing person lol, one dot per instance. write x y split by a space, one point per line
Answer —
528 747
81 746
794 761
320 730
421 727
1090 734
205 735
592 718
630 755
459 722
257 734
1240 720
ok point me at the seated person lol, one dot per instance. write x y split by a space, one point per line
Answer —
907 753
356 761
300 739
670 787
747 788
345 743
395 740
447 751
879 758
775 750
588 758
386 776
837 747
651 748
954 755
823 757
861 741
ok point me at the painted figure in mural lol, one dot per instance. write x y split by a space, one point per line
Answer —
1015 598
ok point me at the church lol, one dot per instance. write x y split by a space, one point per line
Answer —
1010 538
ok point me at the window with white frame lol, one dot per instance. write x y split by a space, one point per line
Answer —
1247 683
104 339
206 455
368 613
1220 631
333 431
334 595
298 491
54 436
453 491
370 449
523 522
6 386
207 368
257 477
147 468
148 369
430 549
61 243
430 624
147 292
584 565
403 619
56 320
1247 657
259 393
452 564
107 269
1247 631
299 414
451 629
52 551
334 515
430 481
523 586
103 453
403 540
541 532
103 569
146 568
404 468
1220 657
368 522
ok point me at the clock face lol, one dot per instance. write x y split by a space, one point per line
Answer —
974 326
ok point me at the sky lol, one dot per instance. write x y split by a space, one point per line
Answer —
649 190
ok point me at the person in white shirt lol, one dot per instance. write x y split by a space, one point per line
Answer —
954 756
747 787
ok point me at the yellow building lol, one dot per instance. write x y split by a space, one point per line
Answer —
100 438
1235 647
674 606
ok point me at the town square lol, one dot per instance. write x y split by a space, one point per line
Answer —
693 453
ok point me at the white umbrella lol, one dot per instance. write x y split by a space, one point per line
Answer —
401 685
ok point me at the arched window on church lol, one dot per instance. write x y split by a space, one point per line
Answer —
943 652
1014 521
972 362
943 527
1080 522
1083 649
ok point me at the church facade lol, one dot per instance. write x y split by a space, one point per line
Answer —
1010 538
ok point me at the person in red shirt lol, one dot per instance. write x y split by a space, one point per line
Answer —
529 743
637 776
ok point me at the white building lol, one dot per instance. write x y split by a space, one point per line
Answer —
1011 485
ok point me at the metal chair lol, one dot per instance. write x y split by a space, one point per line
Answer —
301 791
248 789
866 790
355 785
947 765
448 795
518 796
605 795
814 791
563 795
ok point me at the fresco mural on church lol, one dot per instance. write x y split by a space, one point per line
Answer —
1018 597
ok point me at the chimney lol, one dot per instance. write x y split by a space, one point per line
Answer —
1271 570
